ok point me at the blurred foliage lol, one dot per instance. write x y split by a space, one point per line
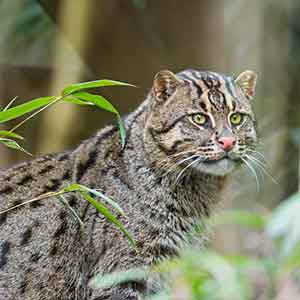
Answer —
208 275
25 27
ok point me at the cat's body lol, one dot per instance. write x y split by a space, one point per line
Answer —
44 253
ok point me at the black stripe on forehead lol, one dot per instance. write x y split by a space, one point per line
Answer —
194 83
216 82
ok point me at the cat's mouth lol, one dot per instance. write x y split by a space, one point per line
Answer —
219 166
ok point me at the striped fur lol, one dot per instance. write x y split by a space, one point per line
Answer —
167 178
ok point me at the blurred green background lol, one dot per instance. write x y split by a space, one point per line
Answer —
47 44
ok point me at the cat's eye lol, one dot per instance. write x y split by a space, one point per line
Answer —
236 119
199 119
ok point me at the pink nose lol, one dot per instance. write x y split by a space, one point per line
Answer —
226 143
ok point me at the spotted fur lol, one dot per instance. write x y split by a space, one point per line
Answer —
167 178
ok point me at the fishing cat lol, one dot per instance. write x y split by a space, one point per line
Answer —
190 132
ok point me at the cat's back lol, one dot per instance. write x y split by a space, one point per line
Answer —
34 238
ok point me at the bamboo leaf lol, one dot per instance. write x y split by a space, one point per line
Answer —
20 110
98 100
114 204
75 100
10 103
109 216
92 84
122 130
13 145
66 203
5 133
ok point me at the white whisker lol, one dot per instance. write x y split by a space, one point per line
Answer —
253 172
190 164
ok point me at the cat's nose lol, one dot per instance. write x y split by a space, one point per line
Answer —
227 143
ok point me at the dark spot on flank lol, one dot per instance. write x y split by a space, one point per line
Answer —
3 218
22 286
72 201
6 190
36 204
24 283
53 250
26 236
16 202
60 230
52 186
4 250
62 214
25 179
83 167
66 175
35 257
46 170
63 157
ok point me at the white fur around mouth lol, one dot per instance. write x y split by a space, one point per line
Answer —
220 167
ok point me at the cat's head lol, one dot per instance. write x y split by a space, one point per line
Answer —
200 120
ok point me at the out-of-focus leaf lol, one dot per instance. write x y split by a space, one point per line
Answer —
140 4
98 100
5 133
295 135
13 145
239 217
225 281
114 278
20 110
285 224
92 84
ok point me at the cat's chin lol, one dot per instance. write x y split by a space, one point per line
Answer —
219 167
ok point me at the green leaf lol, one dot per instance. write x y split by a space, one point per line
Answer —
66 203
239 217
92 84
114 204
98 100
122 130
10 103
109 216
13 145
20 110
79 187
75 100
6 133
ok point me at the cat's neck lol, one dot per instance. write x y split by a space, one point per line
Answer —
192 195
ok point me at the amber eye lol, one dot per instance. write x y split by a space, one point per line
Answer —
236 119
200 119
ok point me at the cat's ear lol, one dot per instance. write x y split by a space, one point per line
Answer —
164 85
247 82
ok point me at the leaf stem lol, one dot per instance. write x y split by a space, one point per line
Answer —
57 99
